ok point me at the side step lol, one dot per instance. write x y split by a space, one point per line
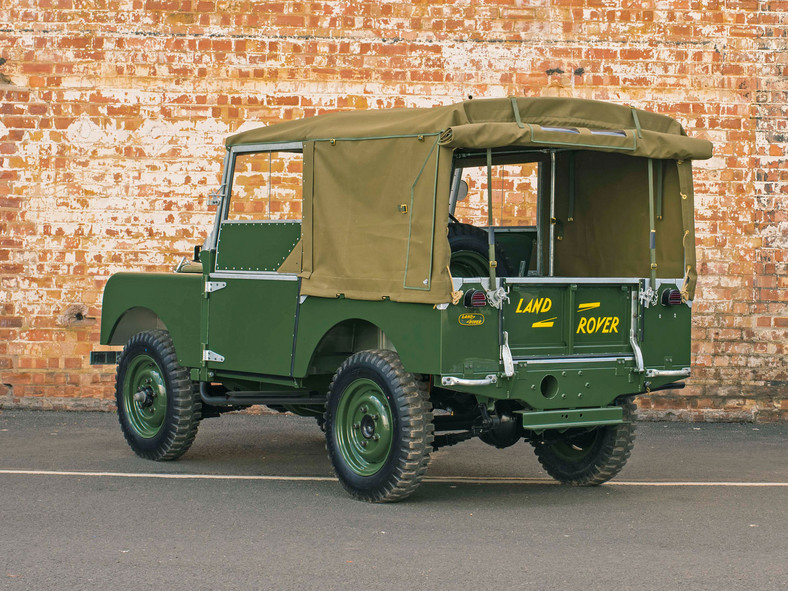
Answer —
284 397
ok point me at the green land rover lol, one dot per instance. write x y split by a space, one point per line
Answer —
508 269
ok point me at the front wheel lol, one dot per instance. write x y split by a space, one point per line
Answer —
589 458
158 406
379 427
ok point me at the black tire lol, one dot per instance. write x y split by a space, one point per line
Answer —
589 458
395 408
470 253
149 364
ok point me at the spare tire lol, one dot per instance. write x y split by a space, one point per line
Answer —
469 253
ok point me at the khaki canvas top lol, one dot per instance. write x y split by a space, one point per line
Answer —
376 186
484 123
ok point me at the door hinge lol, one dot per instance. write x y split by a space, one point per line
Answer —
211 286
208 355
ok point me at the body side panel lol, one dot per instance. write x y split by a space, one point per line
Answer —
413 329
174 298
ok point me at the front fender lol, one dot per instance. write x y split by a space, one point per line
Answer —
135 302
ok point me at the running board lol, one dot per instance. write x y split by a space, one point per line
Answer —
250 398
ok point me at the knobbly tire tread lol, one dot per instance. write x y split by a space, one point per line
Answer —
416 428
184 404
610 458
468 237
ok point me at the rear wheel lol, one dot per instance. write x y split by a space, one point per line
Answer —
589 458
379 428
158 405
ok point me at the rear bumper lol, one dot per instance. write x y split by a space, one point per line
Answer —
565 419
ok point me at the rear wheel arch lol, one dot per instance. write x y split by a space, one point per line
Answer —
342 340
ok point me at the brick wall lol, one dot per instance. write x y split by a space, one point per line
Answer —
113 112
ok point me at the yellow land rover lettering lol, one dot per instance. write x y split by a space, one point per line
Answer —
534 306
548 323
594 324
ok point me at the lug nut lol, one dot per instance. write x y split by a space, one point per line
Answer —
363 444
376 437
356 426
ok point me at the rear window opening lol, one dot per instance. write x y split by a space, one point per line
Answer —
594 221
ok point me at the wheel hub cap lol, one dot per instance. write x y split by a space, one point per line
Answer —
367 427
145 396
364 427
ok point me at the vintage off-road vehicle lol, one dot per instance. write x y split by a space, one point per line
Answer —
512 269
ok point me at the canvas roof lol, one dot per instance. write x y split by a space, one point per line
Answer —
484 123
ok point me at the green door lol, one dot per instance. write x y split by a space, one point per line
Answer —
252 307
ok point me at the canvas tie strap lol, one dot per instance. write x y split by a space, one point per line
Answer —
684 291
516 113
456 296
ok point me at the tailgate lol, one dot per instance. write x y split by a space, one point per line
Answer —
573 316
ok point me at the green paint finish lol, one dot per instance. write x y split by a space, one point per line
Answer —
243 247
469 349
561 385
562 419
666 332
135 302
570 319
414 331
146 417
251 323
364 427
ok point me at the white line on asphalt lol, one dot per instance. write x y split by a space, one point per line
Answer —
445 479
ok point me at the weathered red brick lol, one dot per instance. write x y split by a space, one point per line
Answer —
86 184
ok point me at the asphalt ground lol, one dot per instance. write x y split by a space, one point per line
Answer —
254 505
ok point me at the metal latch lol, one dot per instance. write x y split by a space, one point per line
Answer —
208 355
497 297
648 297
211 286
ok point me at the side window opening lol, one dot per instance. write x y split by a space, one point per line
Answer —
267 186
262 213
514 195
515 190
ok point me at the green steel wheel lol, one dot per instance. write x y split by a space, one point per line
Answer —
470 252
158 406
379 428
589 458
